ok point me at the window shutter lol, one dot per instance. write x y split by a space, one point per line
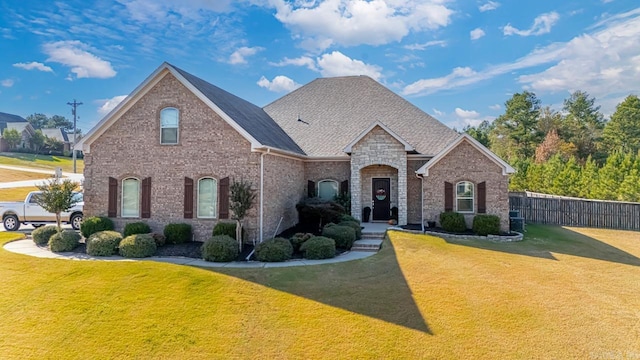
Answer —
448 196
223 196
113 197
482 197
188 198
344 187
311 188
146 198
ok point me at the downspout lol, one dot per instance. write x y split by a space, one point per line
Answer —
421 201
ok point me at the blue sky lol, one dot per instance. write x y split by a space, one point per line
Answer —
457 60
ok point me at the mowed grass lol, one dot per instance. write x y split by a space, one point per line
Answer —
16 194
7 175
561 293
41 161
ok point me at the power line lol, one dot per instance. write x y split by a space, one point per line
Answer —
74 106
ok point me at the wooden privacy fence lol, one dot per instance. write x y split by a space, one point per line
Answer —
559 210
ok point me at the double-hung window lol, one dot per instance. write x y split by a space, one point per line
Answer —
169 121
130 197
207 198
464 197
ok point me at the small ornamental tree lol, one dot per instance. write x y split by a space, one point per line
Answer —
57 197
12 137
241 200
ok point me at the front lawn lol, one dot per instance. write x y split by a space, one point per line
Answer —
561 293
15 175
41 161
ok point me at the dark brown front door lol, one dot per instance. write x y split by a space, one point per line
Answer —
381 201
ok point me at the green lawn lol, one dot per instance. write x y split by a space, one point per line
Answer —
16 194
41 161
561 293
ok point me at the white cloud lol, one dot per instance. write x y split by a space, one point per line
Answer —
279 83
466 114
438 112
301 61
155 10
541 25
446 82
75 54
470 117
495 107
238 56
338 64
428 44
490 5
33 65
476 33
7 82
320 24
109 104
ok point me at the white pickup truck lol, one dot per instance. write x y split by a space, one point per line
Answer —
29 212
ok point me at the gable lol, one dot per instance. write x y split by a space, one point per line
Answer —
370 129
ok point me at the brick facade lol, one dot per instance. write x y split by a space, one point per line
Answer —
414 188
284 187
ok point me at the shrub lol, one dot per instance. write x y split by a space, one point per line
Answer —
159 239
103 243
136 228
137 246
319 247
42 235
177 233
94 224
220 248
313 213
486 224
343 235
273 250
347 217
452 222
64 241
355 225
226 228
299 239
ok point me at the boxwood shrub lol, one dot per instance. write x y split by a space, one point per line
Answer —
137 246
319 247
273 250
94 224
64 241
220 248
226 228
159 239
103 243
42 235
343 235
299 239
486 224
136 228
452 222
177 233
347 217
355 225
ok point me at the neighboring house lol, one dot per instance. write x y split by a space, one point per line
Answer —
10 121
169 151
60 135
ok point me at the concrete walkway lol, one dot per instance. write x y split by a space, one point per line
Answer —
26 183
28 247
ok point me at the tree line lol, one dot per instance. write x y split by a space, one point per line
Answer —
572 152
38 141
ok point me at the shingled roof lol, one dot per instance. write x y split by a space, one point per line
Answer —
9 118
336 110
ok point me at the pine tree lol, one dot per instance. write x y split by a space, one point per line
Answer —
589 179
622 132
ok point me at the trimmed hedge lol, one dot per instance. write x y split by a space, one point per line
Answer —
94 224
226 228
274 250
103 243
177 233
347 217
343 235
159 239
486 224
298 239
137 246
453 222
355 225
42 235
136 228
319 247
64 241
220 248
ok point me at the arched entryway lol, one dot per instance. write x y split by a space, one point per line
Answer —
379 190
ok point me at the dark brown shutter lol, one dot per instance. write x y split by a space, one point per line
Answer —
344 187
482 197
146 198
188 198
448 196
223 196
113 197
311 188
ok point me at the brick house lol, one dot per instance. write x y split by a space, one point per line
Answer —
21 125
168 152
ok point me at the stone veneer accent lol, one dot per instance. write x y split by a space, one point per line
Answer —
466 163
378 148
378 171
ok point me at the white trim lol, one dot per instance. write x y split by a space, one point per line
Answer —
122 197
215 207
473 197
407 146
177 125
506 168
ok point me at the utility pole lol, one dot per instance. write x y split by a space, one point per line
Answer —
74 106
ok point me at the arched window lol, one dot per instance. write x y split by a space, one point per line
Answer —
169 120
327 189
130 198
207 198
464 197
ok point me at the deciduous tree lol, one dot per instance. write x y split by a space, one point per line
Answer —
57 197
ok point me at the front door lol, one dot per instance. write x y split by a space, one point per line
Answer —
381 202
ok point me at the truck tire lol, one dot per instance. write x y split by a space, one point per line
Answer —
11 223
76 220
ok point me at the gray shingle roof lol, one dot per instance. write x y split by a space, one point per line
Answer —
249 116
58 134
338 109
9 118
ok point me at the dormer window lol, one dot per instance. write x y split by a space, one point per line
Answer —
169 120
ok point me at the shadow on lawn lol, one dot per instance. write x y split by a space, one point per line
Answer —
543 241
373 287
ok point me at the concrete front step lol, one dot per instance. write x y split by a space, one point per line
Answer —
366 245
377 236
